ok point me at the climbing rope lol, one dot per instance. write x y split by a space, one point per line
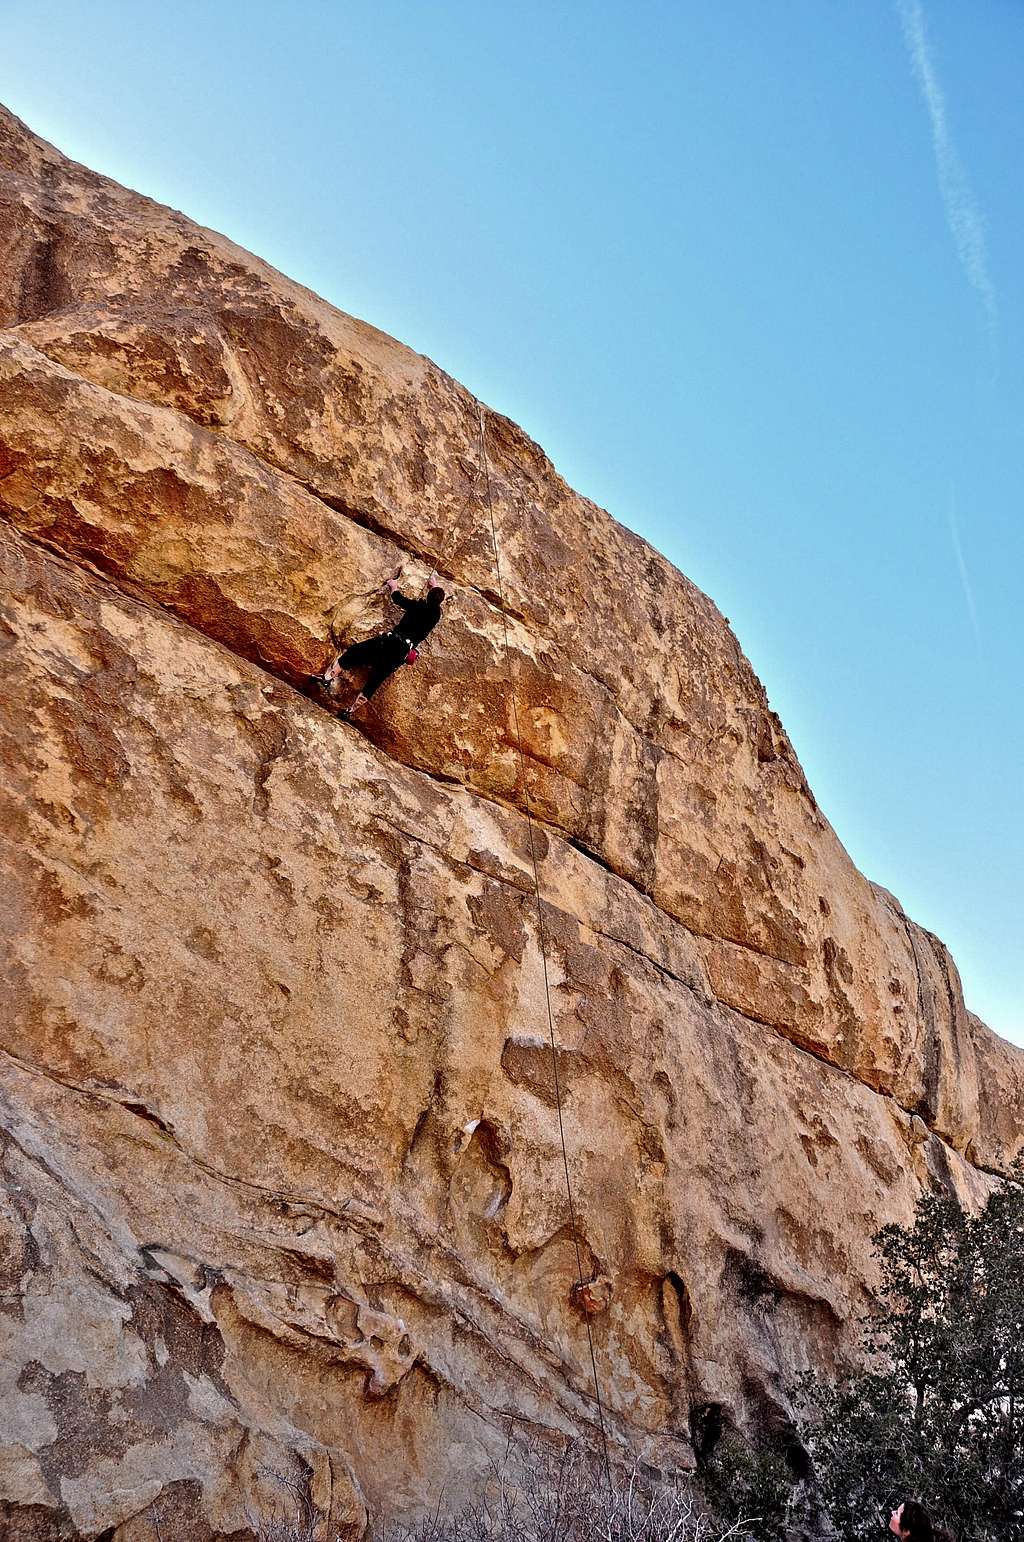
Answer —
542 938
535 865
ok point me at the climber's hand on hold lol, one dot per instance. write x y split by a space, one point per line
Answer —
391 584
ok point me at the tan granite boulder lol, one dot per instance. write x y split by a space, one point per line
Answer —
282 1169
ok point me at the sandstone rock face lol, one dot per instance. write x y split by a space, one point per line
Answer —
282 1177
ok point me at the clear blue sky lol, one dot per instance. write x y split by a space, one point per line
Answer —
753 274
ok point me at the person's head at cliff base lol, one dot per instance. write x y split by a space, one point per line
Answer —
911 1522
435 596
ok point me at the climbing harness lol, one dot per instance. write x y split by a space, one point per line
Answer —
412 653
542 938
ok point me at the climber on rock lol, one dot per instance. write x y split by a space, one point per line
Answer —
388 651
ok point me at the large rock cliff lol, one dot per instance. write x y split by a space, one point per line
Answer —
281 1169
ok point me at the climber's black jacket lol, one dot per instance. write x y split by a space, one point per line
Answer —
421 617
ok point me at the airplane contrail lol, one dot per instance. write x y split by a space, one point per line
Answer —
964 218
965 579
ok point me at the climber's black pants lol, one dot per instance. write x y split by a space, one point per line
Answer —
383 655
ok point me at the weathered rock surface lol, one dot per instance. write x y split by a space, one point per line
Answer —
282 1177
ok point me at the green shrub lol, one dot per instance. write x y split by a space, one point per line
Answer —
938 1411
745 1483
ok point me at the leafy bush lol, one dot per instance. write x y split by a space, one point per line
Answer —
743 1480
938 1411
